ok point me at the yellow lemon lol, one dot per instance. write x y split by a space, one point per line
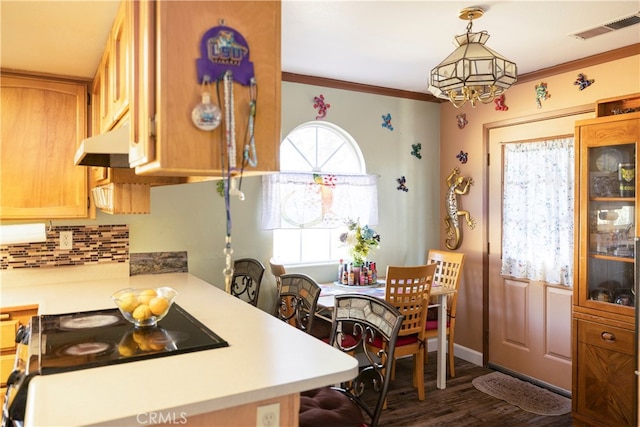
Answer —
126 350
157 342
147 295
142 312
155 346
128 302
158 305
138 336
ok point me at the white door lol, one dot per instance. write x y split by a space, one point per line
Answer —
529 322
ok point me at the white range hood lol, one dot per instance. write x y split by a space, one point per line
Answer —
111 149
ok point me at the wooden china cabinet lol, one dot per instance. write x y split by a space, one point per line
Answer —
605 390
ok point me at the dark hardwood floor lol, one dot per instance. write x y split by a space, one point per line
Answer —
460 404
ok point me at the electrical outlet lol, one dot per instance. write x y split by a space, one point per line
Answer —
268 415
66 240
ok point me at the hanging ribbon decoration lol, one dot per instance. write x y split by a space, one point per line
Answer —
224 55
249 154
230 139
230 120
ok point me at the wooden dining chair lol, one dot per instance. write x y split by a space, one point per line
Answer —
360 401
298 300
448 274
246 280
277 270
408 290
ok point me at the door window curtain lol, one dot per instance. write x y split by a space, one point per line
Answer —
538 196
315 200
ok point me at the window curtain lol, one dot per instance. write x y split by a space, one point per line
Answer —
538 195
314 200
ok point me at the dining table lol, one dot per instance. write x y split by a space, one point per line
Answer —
330 290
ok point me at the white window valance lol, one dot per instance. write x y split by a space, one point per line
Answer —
317 200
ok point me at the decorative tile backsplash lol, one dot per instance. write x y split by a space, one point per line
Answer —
158 263
96 244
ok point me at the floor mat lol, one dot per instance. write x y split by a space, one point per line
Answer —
525 395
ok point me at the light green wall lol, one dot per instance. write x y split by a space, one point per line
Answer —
191 217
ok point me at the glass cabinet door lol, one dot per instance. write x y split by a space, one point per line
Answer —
611 210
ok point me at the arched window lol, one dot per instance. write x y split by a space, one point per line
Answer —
324 172
321 147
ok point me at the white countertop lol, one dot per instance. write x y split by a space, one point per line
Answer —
266 358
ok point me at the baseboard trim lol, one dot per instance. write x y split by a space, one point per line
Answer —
464 353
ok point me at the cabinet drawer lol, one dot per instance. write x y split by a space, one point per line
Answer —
8 330
609 337
6 366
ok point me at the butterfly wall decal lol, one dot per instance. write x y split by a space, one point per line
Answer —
415 150
402 181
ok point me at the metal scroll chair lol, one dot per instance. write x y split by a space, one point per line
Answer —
357 321
246 280
408 289
297 300
448 274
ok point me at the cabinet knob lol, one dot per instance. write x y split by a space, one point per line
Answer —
608 336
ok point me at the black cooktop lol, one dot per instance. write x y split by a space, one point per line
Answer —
103 337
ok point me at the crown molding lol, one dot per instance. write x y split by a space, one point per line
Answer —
588 61
357 87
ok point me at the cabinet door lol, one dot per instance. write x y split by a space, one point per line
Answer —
167 44
42 123
112 79
102 82
606 381
142 104
120 45
608 215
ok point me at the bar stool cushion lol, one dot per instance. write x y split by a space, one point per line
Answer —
324 407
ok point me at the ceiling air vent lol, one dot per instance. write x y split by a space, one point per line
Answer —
611 26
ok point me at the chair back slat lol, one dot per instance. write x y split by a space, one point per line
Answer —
298 300
246 280
448 273
408 289
357 320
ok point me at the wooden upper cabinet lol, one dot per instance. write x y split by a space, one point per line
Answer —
112 80
42 123
166 43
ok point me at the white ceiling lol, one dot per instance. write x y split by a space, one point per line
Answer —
388 43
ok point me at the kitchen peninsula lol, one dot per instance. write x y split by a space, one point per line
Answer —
267 361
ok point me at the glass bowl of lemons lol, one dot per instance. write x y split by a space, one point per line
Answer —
144 307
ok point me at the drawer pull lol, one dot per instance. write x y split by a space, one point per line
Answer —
608 336
5 316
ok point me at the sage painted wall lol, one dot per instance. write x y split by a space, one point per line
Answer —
191 217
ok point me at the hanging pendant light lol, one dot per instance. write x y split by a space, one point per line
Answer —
473 72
